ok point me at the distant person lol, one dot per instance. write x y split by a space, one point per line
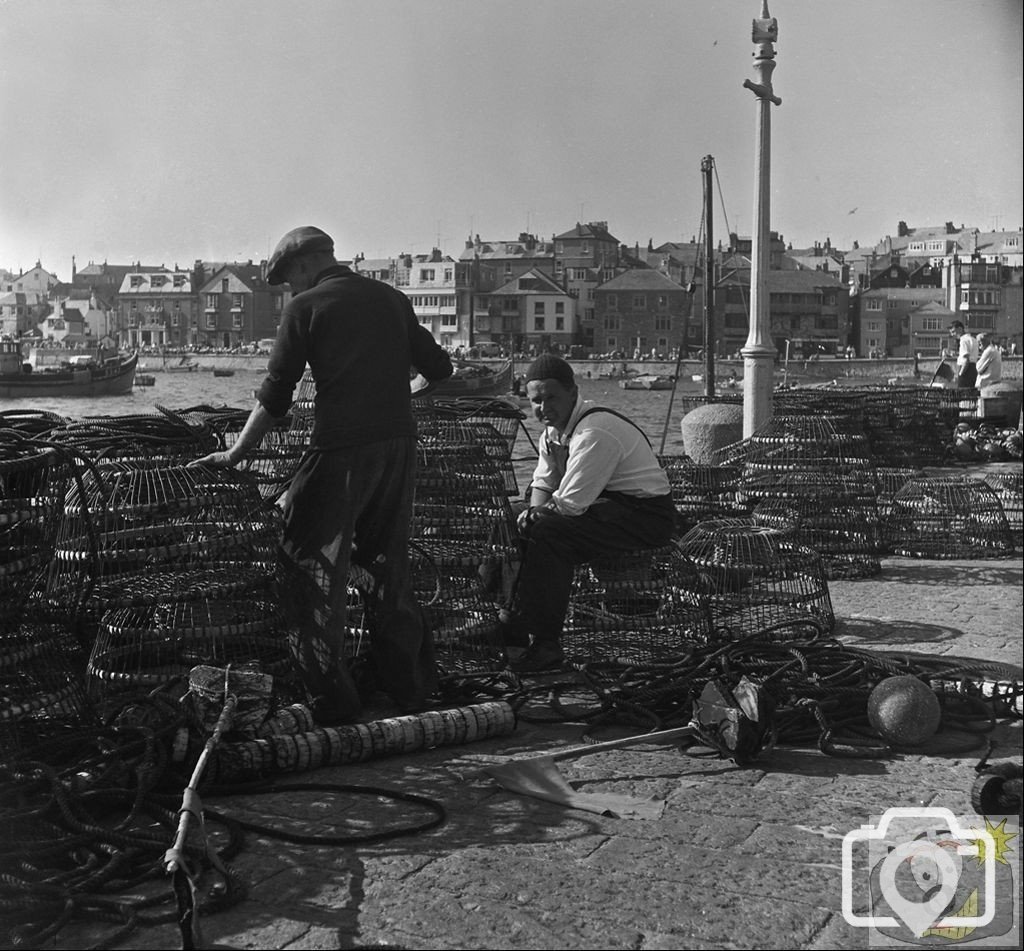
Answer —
597 488
966 357
990 361
351 498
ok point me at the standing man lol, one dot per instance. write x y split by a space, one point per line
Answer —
597 489
967 356
352 495
990 362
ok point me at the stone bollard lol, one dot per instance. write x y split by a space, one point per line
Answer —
709 428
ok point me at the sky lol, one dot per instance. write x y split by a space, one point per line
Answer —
163 132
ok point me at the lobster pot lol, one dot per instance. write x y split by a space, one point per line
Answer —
460 588
149 644
890 479
273 463
484 433
33 481
913 428
948 517
460 495
754 578
836 514
42 687
495 423
700 492
1007 485
635 607
303 409
845 407
795 443
125 522
167 437
30 422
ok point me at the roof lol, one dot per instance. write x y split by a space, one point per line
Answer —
533 281
641 279
595 230
802 282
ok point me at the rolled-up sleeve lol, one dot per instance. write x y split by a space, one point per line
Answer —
594 457
286 365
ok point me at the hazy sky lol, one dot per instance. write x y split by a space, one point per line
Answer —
166 130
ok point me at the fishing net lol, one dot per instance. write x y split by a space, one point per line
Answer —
753 577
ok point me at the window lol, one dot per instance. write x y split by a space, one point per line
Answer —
211 321
538 307
179 280
510 305
639 301
236 321
578 273
662 301
236 302
559 323
174 318
448 275
449 320
613 301
662 322
426 274
612 322
211 301
134 281
931 323
872 305
157 280
559 306
224 285
892 304
611 342
538 323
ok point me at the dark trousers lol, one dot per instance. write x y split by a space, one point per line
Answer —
555 544
359 496
967 376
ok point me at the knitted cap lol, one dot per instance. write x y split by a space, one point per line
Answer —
549 367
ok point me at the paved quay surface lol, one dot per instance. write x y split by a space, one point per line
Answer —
740 858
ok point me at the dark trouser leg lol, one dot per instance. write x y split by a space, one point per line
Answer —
555 544
402 645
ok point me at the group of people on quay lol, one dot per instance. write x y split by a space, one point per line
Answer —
597 483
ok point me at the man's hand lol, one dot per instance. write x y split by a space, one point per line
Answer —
529 516
216 460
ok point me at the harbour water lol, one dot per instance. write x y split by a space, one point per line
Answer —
176 391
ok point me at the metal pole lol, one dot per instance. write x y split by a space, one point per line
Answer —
706 165
758 352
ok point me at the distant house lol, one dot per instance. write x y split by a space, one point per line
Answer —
882 320
236 308
531 310
154 308
637 312
928 329
14 314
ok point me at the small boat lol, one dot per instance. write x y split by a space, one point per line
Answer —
144 379
223 371
185 364
83 375
647 381
476 379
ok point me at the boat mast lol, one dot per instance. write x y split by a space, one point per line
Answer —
706 165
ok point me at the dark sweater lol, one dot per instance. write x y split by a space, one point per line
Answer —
360 338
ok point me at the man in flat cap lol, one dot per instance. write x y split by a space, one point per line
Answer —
597 489
351 497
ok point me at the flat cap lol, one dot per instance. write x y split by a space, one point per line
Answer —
302 240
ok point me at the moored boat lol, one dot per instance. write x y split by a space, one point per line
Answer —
144 379
647 381
476 379
185 364
223 371
84 375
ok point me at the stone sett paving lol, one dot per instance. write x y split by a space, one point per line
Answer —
741 858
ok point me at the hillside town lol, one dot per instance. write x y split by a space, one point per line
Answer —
581 293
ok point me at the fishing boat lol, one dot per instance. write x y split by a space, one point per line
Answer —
185 364
82 375
647 381
476 379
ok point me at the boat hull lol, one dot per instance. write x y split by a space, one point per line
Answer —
487 381
107 380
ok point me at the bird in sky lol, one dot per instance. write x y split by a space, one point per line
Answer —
853 210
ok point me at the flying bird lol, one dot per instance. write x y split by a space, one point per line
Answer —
853 210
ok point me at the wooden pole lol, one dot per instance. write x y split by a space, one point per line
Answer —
706 165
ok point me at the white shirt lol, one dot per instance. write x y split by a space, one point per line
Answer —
968 350
603 451
990 366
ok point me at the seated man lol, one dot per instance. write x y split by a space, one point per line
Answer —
597 489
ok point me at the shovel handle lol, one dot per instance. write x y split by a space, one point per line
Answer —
661 736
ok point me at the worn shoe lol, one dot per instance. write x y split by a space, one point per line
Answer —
539 657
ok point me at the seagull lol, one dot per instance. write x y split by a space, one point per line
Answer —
853 210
